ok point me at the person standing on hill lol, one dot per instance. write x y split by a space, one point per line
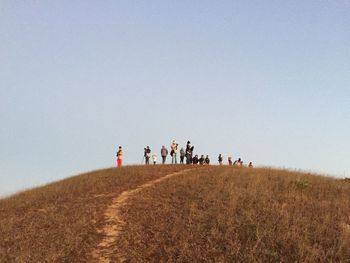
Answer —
147 154
164 153
189 152
239 162
201 160
250 165
173 152
182 155
207 160
155 157
229 160
220 158
120 157
195 160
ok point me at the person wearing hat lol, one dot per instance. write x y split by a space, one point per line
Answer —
120 157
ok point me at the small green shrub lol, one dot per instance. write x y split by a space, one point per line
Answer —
300 184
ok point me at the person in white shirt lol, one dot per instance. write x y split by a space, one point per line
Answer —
154 157
173 152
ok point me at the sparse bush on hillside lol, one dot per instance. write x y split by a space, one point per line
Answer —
300 184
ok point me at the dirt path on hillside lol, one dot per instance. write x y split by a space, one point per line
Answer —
115 224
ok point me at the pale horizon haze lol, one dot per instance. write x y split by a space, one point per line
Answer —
267 81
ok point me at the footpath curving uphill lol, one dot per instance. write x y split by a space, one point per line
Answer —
227 214
114 223
59 222
179 213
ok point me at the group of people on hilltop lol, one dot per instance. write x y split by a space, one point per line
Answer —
201 160
186 153
174 151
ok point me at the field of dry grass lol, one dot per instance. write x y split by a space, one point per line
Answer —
59 222
209 214
223 214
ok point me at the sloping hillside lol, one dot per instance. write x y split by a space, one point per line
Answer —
170 213
59 222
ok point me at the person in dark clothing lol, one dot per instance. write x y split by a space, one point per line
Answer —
189 152
188 158
147 154
164 153
201 160
220 159
182 155
195 160
207 160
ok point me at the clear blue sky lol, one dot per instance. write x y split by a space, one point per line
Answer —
268 81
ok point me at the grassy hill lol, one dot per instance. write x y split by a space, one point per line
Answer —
211 213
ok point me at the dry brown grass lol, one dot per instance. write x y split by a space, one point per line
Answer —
59 222
210 214
223 214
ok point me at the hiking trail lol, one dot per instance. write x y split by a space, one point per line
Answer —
115 224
